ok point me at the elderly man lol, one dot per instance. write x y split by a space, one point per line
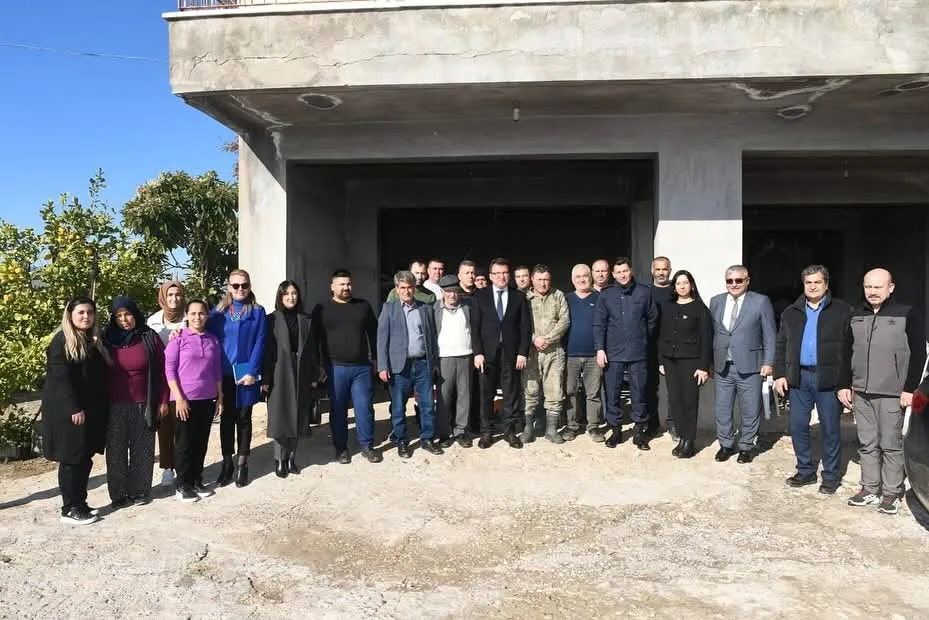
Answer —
582 368
407 358
888 344
435 269
453 326
743 355
600 270
624 320
546 364
657 390
420 293
523 279
811 362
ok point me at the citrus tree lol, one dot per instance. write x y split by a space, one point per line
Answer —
80 249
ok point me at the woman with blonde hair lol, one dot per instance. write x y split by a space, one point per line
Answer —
169 319
74 406
240 324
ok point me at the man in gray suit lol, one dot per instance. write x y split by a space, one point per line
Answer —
743 355
407 358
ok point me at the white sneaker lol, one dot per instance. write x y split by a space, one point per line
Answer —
167 478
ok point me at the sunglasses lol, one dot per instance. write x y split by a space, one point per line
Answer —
236 286
735 280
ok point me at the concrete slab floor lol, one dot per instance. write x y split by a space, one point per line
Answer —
571 531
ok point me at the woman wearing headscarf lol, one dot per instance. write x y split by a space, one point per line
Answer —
169 319
74 406
240 324
291 371
138 401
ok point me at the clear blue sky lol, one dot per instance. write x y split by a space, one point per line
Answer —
62 116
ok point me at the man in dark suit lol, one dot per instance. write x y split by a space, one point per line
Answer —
407 359
501 332
743 356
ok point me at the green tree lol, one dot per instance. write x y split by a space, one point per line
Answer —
79 250
194 217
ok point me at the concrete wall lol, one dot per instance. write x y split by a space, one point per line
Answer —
235 50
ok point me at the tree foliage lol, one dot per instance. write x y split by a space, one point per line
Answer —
196 217
81 249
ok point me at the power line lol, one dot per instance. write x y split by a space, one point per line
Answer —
52 50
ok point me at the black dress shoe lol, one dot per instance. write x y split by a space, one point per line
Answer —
280 469
799 480
432 447
225 472
746 456
292 466
687 449
677 449
724 454
485 442
829 487
514 440
373 455
403 450
344 457
640 438
464 440
241 475
447 442
615 438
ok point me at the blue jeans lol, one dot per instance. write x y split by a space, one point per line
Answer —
613 382
802 398
416 376
351 383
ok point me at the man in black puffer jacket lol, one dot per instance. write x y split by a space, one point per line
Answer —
812 360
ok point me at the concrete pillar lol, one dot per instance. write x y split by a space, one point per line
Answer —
699 215
262 214
699 221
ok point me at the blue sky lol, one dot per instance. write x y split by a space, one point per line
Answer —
63 116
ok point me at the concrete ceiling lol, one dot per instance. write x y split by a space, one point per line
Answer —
790 99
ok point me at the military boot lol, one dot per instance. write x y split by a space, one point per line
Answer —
551 428
528 435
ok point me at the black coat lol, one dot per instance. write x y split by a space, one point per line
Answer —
486 328
833 350
289 376
71 387
686 332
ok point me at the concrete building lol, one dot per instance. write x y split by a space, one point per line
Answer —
775 133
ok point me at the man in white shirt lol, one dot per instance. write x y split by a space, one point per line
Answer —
435 269
453 324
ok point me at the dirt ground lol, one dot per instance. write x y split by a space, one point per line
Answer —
571 531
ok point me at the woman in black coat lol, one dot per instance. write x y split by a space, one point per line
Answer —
74 406
685 351
291 373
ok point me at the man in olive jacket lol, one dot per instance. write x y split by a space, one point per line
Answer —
812 360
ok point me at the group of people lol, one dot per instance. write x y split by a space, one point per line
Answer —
111 391
452 346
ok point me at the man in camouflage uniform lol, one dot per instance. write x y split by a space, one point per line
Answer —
545 368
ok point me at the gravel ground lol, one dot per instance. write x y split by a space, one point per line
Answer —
571 531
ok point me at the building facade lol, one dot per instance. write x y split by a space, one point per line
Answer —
776 133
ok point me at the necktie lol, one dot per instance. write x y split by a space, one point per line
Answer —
500 305
734 314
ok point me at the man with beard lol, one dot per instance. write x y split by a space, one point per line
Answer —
656 388
523 279
421 293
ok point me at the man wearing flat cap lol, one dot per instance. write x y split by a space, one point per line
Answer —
453 324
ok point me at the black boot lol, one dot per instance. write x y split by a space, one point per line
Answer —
640 438
241 474
280 468
677 449
292 464
687 449
225 472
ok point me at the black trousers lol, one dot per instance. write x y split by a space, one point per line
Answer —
72 481
683 395
235 423
652 385
192 436
496 373
474 412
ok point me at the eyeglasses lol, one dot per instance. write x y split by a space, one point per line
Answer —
236 286
735 280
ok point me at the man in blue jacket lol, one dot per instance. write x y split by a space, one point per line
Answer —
624 320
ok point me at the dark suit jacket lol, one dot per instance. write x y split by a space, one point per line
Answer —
486 328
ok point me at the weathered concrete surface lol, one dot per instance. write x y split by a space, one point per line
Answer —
547 43
574 531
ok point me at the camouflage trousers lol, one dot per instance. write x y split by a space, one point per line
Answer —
544 375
